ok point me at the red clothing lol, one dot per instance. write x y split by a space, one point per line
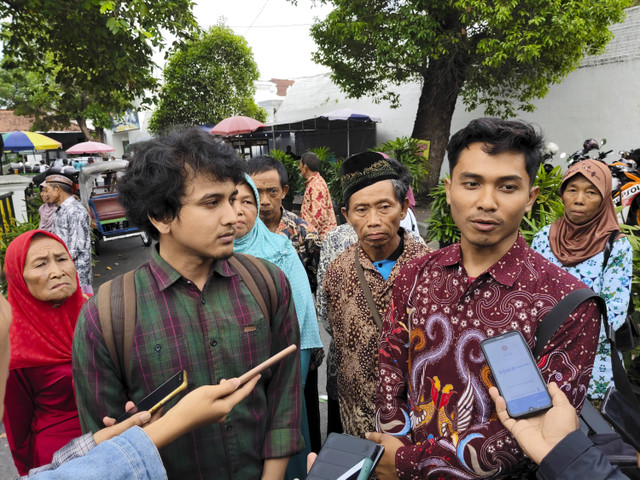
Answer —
40 333
317 207
41 414
433 378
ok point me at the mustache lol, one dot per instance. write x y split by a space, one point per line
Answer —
485 218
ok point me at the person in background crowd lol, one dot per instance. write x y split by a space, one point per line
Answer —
374 204
336 242
72 224
576 243
271 180
47 210
291 154
317 207
433 409
194 312
253 238
45 299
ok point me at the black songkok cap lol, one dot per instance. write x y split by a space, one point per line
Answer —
364 169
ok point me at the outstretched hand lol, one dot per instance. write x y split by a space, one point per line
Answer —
539 434
206 404
116 429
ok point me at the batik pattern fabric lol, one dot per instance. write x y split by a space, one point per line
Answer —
355 332
305 240
72 224
613 284
434 381
336 242
317 207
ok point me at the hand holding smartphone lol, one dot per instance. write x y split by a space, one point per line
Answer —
245 377
344 457
516 374
177 383
160 396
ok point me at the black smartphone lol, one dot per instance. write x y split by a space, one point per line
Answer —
623 416
343 457
516 374
159 396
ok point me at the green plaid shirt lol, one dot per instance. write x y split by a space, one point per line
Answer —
215 334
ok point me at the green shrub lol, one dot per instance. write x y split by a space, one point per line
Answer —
408 152
296 182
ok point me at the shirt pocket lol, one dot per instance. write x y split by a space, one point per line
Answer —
154 361
248 342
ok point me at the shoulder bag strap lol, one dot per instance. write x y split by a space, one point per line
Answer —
608 247
129 307
552 321
367 291
242 264
106 325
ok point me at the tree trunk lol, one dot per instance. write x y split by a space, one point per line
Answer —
82 123
443 81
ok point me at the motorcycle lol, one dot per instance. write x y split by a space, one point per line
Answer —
549 150
626 186
583 154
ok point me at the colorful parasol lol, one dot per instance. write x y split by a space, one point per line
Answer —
90 147
21 140
236 126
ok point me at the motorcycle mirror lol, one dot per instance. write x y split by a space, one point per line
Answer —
550 149
603 142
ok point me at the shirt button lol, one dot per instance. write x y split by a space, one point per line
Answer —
229 428
202 301
213 342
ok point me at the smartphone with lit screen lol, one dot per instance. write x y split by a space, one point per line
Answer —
343 457
516 374
161 395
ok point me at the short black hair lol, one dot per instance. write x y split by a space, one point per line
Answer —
153 183
498 136
265 163
311 160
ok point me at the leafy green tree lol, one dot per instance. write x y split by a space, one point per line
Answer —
208 78
95 53
500 55
36 94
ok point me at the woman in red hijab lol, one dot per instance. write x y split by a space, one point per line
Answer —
43 291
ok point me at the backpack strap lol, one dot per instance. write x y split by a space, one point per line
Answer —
117 312
552 321
258 280
609 246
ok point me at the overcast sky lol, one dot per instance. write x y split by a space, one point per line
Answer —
277 32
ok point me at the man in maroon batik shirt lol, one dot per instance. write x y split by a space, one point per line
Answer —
433 403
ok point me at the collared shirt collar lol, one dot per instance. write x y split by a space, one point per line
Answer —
166 275
505 271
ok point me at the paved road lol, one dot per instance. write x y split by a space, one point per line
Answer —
116 257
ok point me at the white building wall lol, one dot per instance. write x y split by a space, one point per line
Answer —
599 99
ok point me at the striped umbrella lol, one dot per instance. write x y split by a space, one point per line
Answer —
21 140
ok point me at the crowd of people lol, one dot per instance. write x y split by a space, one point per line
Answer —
404 367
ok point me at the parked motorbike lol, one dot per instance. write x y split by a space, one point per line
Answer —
549 150
583 154
626 186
